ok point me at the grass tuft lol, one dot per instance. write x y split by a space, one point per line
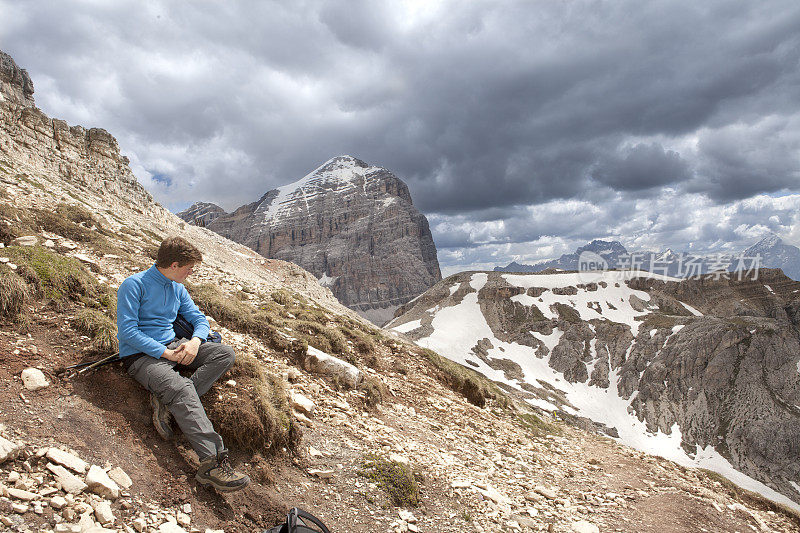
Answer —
99 327
254 415
56 277
374 391
14 294
537 426
473 386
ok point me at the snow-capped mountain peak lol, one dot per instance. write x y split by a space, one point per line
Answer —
336 174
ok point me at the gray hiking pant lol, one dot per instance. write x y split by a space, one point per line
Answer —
181 395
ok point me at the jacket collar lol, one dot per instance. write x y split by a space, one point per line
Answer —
154 274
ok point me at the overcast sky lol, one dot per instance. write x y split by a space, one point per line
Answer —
523 129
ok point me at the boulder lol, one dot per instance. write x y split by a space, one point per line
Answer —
120 477
28 240
321 363
302 403
34 379
9 449
102 485
69 482
102 511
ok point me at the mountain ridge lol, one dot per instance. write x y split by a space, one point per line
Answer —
770 249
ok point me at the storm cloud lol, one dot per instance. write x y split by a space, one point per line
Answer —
528 125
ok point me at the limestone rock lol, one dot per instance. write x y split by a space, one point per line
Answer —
69 482
547 493
34 379
58 502
322 363
170 527
351 225
102 511
302 403
67 459
582 526
119 477
28 240
98 482
9 449
23 495
15 84
493 494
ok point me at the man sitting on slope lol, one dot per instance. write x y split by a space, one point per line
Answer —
147 305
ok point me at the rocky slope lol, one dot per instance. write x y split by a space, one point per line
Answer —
350 224
496 468
769 252
707 368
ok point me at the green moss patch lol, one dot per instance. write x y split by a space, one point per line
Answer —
56 277
397 479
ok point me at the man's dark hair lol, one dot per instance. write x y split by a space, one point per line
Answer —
177 249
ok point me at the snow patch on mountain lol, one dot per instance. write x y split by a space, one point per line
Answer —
456 330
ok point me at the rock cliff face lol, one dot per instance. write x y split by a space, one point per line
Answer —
710 365
350 224
15 84
89 159
202 213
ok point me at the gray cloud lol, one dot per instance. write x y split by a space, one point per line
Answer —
642 166
484 108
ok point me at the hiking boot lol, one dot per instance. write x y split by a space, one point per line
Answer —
217 471
162 418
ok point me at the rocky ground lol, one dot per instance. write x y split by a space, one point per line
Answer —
479 469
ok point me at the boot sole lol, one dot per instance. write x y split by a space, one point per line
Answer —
222 488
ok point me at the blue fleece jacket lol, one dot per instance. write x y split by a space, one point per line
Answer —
147 305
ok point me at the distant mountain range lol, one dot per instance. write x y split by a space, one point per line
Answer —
769 252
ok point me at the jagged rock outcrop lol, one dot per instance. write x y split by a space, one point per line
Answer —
352 225
202 213
715 358
15 84
87 158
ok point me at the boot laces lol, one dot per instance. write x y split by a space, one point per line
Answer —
224 465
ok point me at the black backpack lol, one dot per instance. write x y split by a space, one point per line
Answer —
184 329
297 521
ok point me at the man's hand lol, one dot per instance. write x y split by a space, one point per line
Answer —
188 351
183 354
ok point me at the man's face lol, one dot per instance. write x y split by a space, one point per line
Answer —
180 273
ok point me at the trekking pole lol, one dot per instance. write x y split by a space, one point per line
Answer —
101 362
85 366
